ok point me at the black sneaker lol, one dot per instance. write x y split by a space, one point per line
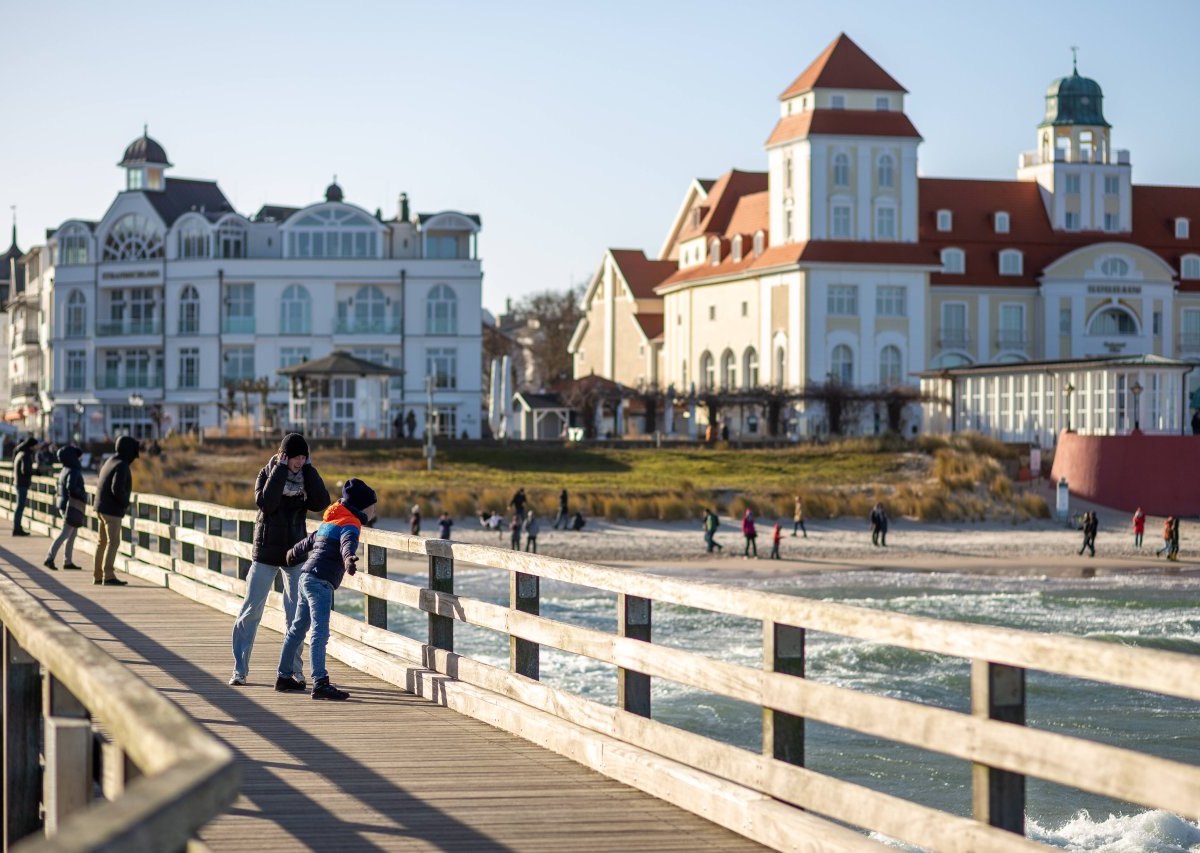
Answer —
20 532
289 685
115 582
325 690
71 567
49 564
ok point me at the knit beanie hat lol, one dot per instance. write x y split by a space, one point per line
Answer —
357 494
293 444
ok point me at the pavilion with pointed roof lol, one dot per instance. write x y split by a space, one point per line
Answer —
340 395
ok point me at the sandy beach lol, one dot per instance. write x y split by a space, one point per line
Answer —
1033 548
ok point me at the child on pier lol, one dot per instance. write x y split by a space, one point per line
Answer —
328 554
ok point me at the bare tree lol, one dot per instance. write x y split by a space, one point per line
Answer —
556 313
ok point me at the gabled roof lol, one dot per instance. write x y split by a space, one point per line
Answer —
543 401
181 195
842 123
640 273
722 202
842 65
652 324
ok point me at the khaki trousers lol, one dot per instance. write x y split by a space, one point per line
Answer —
106 549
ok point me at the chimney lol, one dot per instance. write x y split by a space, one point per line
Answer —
508 305
404 207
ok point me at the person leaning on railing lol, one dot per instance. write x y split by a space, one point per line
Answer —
113 492
22 479
287 487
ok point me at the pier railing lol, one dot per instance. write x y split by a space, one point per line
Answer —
76 721
201 550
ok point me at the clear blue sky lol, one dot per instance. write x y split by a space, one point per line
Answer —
569 126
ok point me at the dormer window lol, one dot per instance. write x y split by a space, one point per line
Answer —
945 220
714 251
759 240
1011 262
882 104
1001 222
837 102
1182 228
953 261
1189 267
737 248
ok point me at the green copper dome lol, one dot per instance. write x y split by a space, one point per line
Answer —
1074 100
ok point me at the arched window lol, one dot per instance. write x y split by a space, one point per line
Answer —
189 311
1190 267
950 359
295 311
708 379
441 311
194 240
73 246
728 370
889 365
780 366
333 232
841 170
1114 267
1113 321
842 364
887 171
953 260
76 315
231 239
370 309
1010 262
133 237
750 368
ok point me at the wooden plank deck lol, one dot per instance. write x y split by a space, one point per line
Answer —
385 771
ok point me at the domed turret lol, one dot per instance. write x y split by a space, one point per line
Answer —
144 161
1074 100
333 192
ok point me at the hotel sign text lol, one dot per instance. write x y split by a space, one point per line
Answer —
1114 289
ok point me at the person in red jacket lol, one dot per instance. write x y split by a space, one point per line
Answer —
776 535
1139 527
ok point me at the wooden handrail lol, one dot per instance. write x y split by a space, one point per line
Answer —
992 736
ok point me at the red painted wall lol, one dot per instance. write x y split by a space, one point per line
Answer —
1159 473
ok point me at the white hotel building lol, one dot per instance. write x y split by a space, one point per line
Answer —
153 311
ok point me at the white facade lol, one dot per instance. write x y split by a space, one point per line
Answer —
172 298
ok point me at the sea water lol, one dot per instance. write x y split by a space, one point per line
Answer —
1150 611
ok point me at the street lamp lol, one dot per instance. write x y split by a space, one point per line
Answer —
1136 389
1069 390
79 410
137 402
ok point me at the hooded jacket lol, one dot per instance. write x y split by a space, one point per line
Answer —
23 463
115 485
329 551
70 481
280 523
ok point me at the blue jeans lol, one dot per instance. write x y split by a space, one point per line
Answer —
22 495
316 601
259 581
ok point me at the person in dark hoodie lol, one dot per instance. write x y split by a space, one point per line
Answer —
72 499
327 554
287 488
113 491
23 463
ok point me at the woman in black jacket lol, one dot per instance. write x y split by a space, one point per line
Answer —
287 488
71 502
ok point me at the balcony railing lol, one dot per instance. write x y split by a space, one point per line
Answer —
349 326
1189 342
237 325
1011 339
952 338
1062 155
115 328
106 381
28 336
24 389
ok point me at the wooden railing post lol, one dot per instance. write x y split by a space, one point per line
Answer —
998 693
524 593
67 786
214 527
377 568
783 652
187 551
245 534
633 621
22 724
441 579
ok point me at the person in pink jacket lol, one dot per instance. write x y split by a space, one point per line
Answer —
750 533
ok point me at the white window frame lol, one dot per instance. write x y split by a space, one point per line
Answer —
837 102
1003 222
835 232
843 373
1112 185
841 169
442 364
883 104
1183 228
1072 220
1012 262
1070 181
441 311
891 300
886 168
945 220
1189 267
295 311
889 377
842 300
959 258
885 222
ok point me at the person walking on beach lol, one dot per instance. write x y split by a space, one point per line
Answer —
72 500
1139 527
1090 525
514 529
1174 550
23 463
532 527
563 510
113 490
750 534
879 525
798 518
445 522
776 535
518 502
287 488
711 523
414 520
1168 528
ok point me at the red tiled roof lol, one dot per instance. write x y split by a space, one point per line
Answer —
641 273
842 123
652 324
843 65
751 214
722 200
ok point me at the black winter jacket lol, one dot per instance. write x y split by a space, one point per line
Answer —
70 481
23 463
115 484
280 522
